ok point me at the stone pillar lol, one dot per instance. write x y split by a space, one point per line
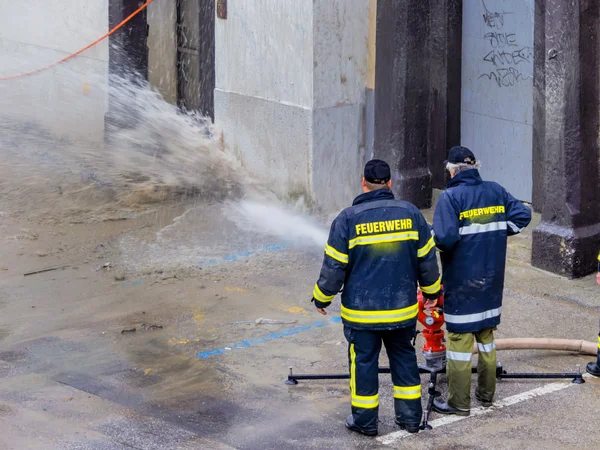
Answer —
568 239
291 81
539 106
402 96
445 85
419 91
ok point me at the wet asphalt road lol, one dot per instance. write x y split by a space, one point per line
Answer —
69 379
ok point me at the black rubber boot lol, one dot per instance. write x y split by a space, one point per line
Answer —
593 369
353 427
410 428
484 403
445 408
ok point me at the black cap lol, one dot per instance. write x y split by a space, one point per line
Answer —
461 155
377 172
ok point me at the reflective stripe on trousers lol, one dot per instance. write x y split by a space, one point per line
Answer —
360 401
458 356
407 392
486 348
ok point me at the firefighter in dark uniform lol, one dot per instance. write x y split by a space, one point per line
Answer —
380 250
472 221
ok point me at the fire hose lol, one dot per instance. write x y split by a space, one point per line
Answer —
569 345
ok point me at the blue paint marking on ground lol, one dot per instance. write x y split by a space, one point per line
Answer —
132 283
269 337
240 255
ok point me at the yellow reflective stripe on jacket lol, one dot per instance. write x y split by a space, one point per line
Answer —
598 341
384 238
407 392
338 256
423 251
598 256
359 401
318 294
432 289
389 316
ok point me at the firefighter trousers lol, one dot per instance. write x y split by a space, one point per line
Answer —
458 367
363 353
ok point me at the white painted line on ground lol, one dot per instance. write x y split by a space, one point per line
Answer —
392 438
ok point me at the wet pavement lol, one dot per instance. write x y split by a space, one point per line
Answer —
208 379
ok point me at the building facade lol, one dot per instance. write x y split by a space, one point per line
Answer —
41 33
499 76
305 91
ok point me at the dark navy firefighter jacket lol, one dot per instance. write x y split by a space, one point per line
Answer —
471 223
378 250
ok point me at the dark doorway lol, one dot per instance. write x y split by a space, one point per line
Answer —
128 52
196 56
127 57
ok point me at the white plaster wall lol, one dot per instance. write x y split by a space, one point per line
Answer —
497 90
337 156
341 52
263 95
291 79
340 78
69 99
264 49
162 48
271 139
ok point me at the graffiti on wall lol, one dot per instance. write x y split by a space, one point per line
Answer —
506 61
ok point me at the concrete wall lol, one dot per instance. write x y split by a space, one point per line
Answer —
340 72
162 48
264 50
497 90
263 95
290 89
70 99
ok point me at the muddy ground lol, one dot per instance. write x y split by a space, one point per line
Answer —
194 374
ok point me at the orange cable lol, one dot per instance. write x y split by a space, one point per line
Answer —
72 55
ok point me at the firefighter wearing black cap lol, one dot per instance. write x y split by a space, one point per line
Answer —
380 250
471 223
